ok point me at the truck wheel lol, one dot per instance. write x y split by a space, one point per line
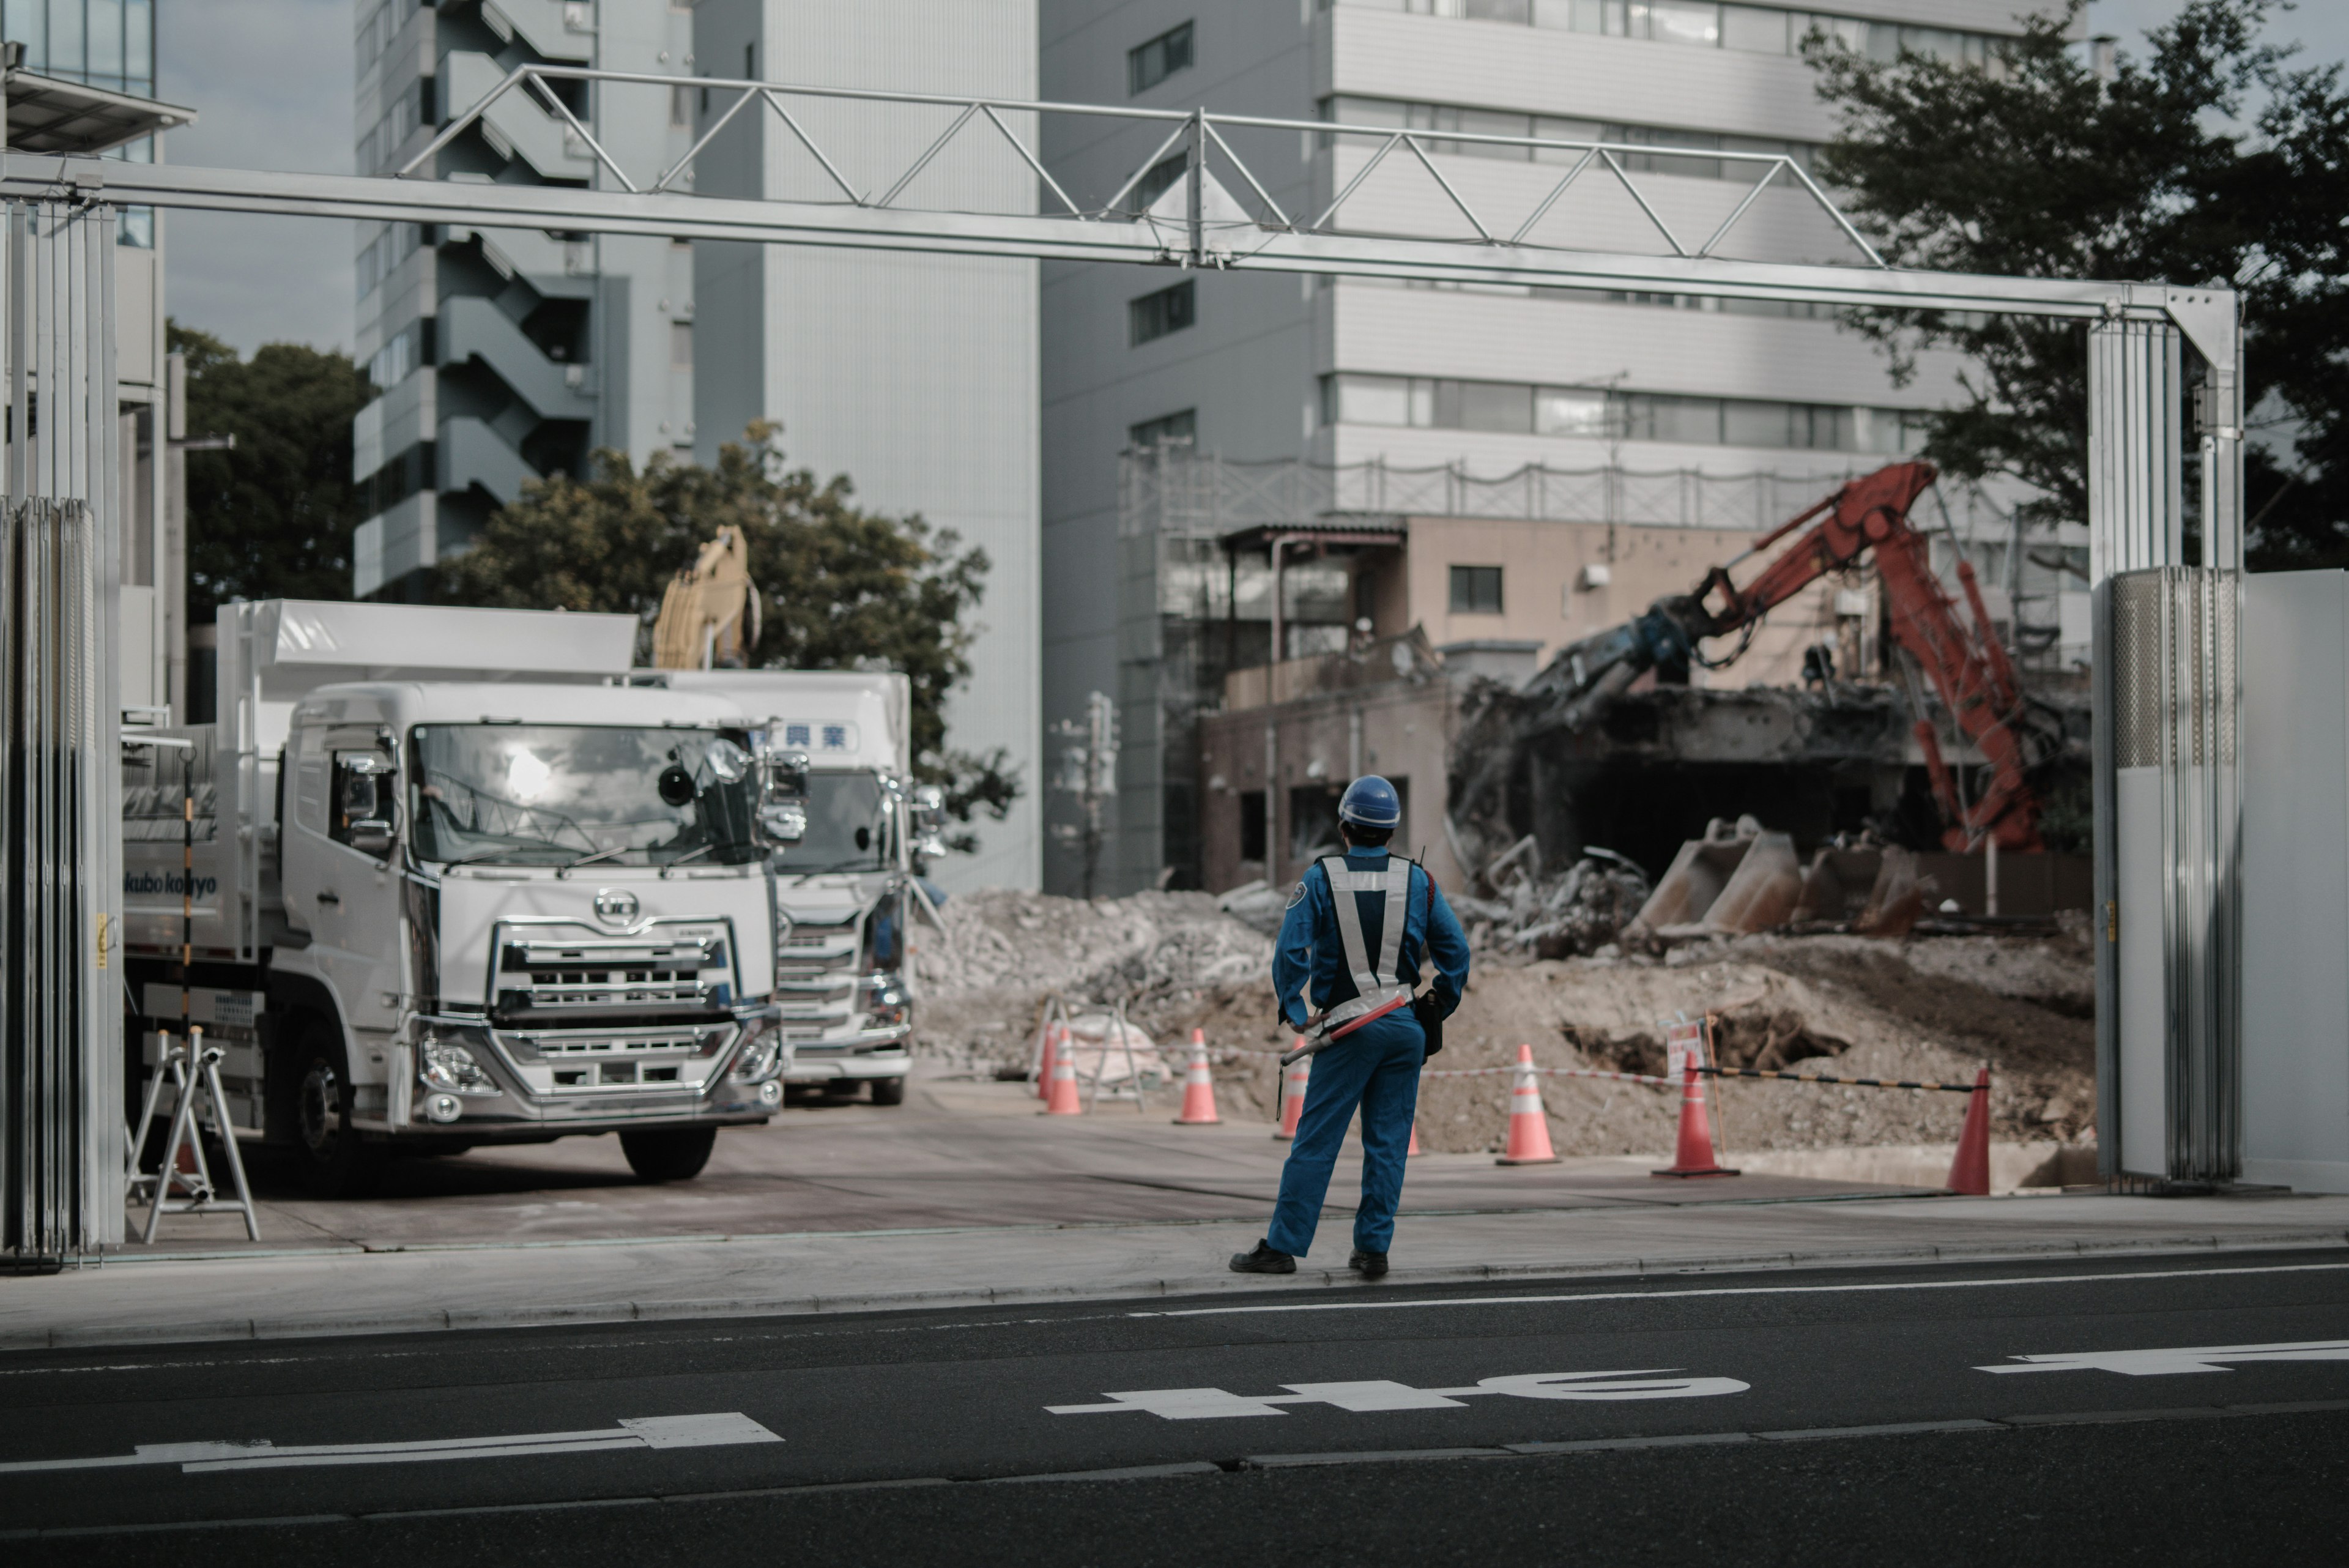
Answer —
669 1154
333 1161
888 1090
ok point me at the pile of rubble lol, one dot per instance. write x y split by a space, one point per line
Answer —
1740 878
1930 1009
984 979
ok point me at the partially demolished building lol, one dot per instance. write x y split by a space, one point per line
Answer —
1409 608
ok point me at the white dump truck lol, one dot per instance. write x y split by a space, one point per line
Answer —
440 878
848 899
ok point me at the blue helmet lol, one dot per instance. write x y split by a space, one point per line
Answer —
1370 802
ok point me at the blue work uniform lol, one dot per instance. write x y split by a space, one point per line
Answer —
1376 1066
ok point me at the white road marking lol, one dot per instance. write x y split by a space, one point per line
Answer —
2168 1363
1215 1404
1400 1305
715 1430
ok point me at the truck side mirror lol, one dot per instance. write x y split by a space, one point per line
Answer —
371 835
929 814
783 798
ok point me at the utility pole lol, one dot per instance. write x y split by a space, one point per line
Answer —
1089 772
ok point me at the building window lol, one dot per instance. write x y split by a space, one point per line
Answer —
1252 825
1475 590
680 345
1155 61
1167 310
1160 179
1708 24
1509 408
1388 114
1180 426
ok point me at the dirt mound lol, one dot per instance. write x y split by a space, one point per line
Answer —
1932 1010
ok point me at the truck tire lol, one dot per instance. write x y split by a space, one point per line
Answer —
669 1154
888 1090
333 1160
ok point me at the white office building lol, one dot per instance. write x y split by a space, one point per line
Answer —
1487 382
914 375
504 355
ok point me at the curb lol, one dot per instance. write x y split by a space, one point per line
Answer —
447 1320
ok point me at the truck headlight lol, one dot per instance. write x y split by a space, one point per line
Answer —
883 1000
761 1056
447 1065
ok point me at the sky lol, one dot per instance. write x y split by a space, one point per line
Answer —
272 79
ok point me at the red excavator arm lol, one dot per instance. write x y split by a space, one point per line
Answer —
1968 667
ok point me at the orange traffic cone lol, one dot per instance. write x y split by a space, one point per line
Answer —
1044 1062
1063 1101
1694 1155
1528 1127
1970 1172
1292 1094
1198 1087
1414 1138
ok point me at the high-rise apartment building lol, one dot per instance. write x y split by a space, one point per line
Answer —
86 84
503 355
1479 383
915 376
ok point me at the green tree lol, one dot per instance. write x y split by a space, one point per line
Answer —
272 518
2206 162
840 587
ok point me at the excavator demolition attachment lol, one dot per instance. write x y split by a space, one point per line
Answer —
1964 661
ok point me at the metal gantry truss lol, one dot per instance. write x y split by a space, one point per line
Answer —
1196 135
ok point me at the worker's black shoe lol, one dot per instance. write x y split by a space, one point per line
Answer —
1263 1260
1370 1265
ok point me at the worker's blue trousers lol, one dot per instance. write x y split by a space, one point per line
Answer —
1377 1068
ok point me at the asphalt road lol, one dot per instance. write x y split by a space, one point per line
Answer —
1684 1418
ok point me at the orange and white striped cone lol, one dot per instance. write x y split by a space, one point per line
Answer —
1292 1095
1063 1101
1414 1140
1044 1062
1694 1155
1528 1127
1198 1087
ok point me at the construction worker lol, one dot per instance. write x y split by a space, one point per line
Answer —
1356 930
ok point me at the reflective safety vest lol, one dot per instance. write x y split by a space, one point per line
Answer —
1377 992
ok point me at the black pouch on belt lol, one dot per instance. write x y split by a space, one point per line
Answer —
1424 1008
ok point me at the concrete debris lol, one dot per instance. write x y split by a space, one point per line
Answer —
1258 904
1103 950
1581 912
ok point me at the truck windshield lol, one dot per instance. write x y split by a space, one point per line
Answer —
848 826
544 795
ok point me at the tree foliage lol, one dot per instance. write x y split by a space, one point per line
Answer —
2209 161
273 517
842 588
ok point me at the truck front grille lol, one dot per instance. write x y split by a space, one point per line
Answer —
549 976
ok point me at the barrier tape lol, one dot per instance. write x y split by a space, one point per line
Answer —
1512 1070
1824 1078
